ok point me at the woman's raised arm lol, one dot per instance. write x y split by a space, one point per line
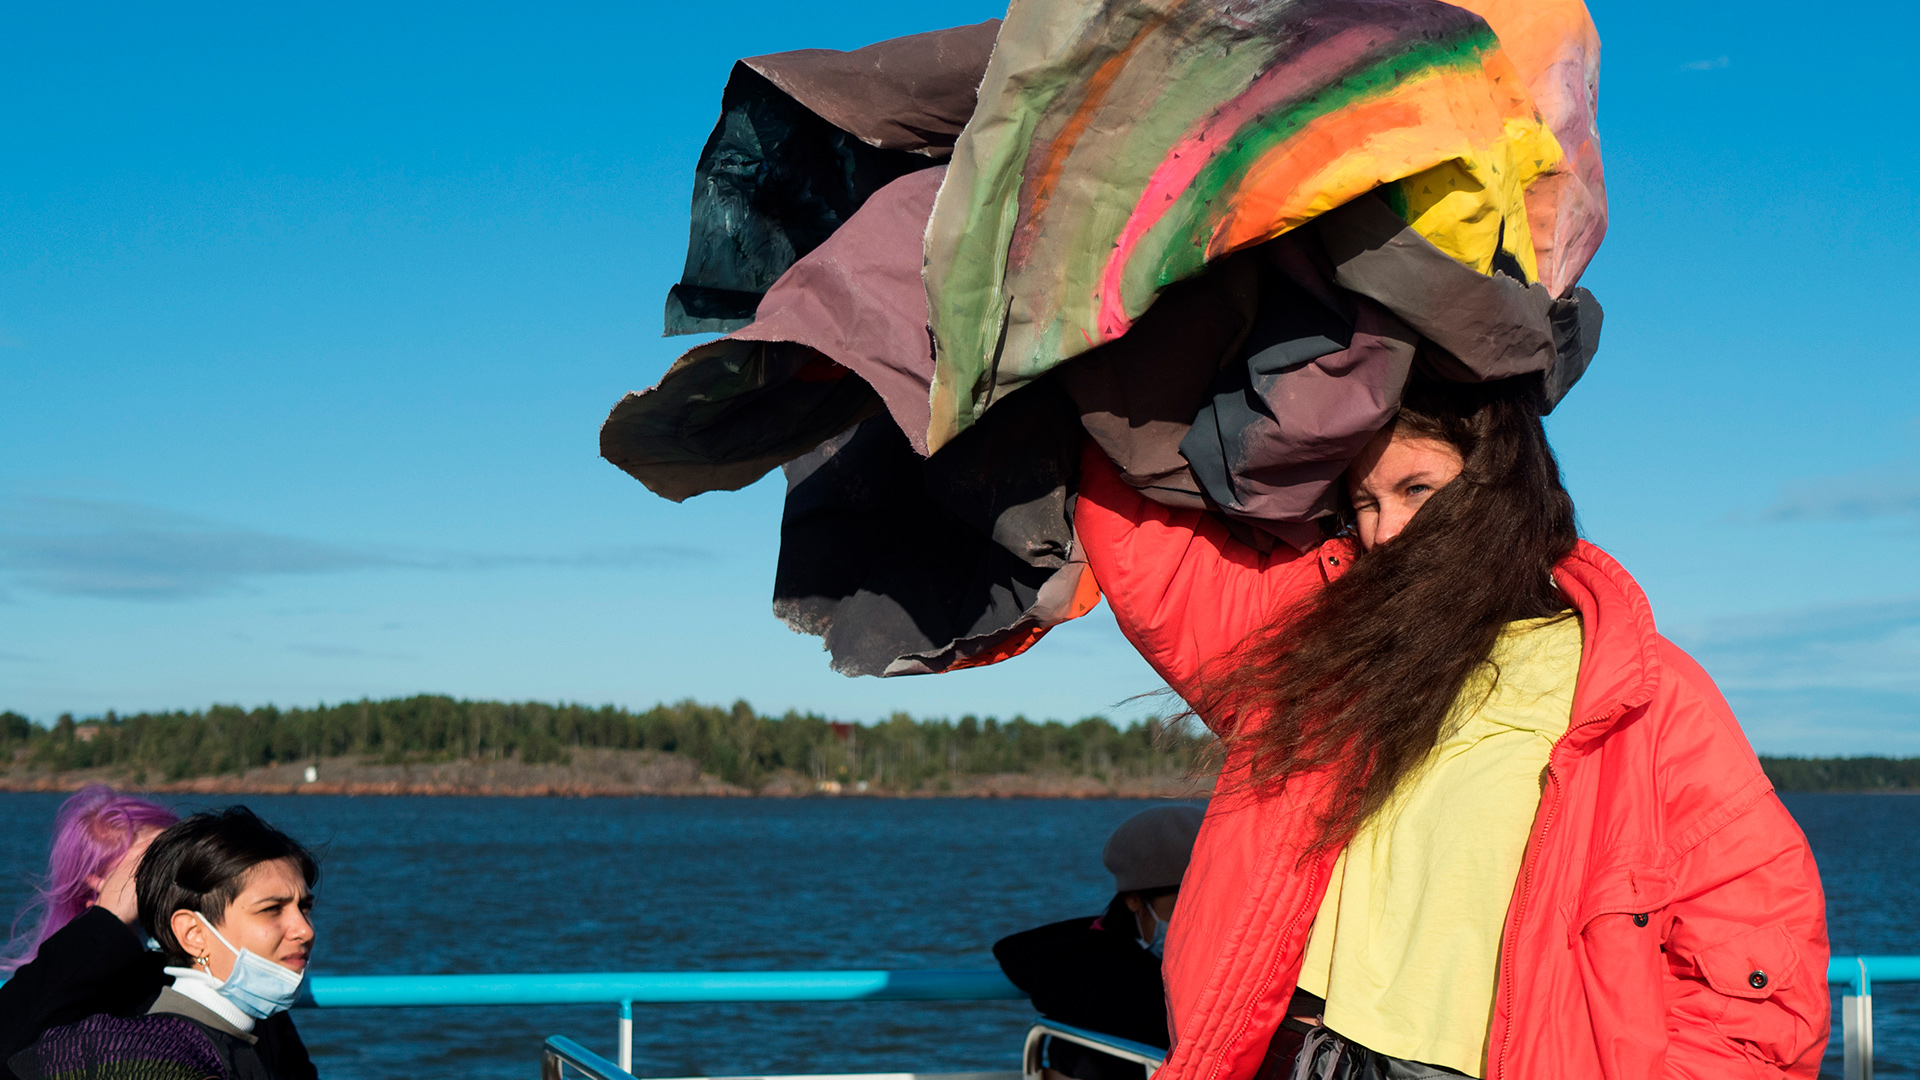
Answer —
1183 590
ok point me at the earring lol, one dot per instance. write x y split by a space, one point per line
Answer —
202 962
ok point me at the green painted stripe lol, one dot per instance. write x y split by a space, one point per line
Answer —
1207 198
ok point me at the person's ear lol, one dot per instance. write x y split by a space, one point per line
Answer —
95 883
192 936
1134 903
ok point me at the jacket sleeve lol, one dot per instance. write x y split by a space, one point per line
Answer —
1182 589
92 964
1746 931
1747 953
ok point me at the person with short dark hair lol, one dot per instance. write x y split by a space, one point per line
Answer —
1103 973
228 898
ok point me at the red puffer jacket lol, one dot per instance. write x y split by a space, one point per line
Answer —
1668 919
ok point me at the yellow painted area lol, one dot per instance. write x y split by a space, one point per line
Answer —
1459 204
1461 146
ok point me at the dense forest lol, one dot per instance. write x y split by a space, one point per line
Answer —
1843 774
736 744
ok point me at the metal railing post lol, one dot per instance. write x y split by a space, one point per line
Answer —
1856 1025
626 1036
1147 1057
560 1052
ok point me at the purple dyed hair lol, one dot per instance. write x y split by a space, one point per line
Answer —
93 829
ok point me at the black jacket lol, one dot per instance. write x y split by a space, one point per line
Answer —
95 964
1091 973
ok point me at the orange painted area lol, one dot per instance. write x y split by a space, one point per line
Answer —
1537 34
1006 650
1047 180
1086 596
1348 153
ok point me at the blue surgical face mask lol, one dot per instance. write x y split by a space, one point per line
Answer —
257 986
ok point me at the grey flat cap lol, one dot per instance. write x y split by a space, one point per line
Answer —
1150 849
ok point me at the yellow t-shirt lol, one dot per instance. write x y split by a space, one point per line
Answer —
1406 946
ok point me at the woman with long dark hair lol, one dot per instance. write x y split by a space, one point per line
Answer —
1476 816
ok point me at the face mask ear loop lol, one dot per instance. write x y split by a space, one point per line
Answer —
219 937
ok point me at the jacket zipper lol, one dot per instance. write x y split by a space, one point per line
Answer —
1509 946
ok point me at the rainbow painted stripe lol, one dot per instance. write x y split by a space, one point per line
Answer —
1120 147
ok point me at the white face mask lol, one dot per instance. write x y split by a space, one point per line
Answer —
1158 946
256 986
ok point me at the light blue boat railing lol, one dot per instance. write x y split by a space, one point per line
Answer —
625 989
1856 1008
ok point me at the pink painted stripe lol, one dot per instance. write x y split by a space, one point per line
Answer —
1300 76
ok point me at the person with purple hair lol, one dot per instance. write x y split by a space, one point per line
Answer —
81 951
227 899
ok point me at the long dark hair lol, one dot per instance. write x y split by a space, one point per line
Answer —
1357 681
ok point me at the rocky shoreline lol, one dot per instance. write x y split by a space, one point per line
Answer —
591 773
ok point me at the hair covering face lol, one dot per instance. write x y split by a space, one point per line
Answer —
1150 849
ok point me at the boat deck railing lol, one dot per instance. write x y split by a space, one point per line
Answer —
626 988
1148 1057
563 1059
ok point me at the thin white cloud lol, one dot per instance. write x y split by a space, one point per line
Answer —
1832 679
632 555
347 652
1830 723
127 551
1714 64
1872 646
83 547
1854 497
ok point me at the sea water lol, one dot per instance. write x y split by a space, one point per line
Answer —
415 885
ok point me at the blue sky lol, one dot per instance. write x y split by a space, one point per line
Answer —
309 317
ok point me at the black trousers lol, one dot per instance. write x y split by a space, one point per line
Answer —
1301 1051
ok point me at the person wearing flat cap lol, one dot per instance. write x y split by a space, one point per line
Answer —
1103 973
